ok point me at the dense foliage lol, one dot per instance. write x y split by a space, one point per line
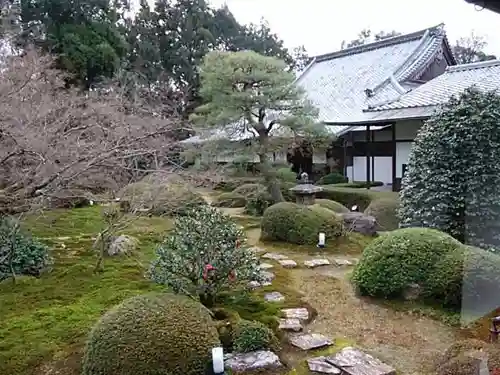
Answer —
332 178
152 334
19 253
453 178
396 260
297 224
204 255
384 210
248 336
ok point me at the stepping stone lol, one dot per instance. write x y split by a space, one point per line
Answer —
265 266
288 263
316 263
257 249
308 341
267 277
342 262
320 365
254 284
300 313
253 361
274 256
354 362
290 325
274 297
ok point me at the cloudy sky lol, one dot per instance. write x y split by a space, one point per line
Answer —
321 25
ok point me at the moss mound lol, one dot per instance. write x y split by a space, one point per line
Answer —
248 336
332 205
394 261
384 210
232 199
247 189
158 199
150 335
463 357
298 224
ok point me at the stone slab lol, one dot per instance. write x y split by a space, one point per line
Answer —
321 366
256 249
288 263
290 325
300 313
266 276
355 362
254 284
253 361
265 266
342 262
274 256
316 263
309 341
274 297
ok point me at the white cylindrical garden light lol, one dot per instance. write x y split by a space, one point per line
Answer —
321 240
218 361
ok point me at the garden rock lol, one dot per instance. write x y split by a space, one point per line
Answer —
257 249
316 263
274 297
253 361
274 256
266 277
308 341
254 284
342 262
360 223
288 263
290 325
123 245
413 292
320 365
354 362
300 313
265 266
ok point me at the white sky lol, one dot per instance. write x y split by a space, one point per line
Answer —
321 25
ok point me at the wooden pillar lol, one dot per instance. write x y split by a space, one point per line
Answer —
368 161
373 159
394 162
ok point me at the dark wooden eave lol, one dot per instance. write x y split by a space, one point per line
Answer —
493 5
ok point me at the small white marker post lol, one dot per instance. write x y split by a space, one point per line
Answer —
218 360
321 240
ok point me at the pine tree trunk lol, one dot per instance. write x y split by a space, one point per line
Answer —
265 167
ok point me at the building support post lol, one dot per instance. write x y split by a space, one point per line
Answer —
368 158
394 162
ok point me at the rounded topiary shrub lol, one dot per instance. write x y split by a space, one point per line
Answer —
332 205
299 224
394 261
467 279
233 200
286 174
248 336
149 335
384 210
257 202
453 177
161 199
332 178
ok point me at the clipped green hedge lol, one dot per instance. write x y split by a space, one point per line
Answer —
232 183
394 261
332 178
286 174
384 210
360 184
247 189
231 199
299 224
347 197
152 334
332 205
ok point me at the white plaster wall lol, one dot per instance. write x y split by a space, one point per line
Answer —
402 154
382 169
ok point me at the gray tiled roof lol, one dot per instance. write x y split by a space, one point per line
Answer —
337 83
423 100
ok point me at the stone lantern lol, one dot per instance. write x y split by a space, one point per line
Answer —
305 191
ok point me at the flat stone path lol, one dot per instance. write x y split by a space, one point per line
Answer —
309 341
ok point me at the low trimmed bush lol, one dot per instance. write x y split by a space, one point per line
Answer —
347 197
232 183
384 210
247 189
332 205
257 202
232 200
19 253
152 334
249 336
298 224
394 261
360 184
161 199
286 174
332 178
